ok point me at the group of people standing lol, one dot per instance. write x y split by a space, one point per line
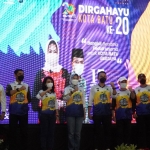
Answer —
105 103
19 93
120 106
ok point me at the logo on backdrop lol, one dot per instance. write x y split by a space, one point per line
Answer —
69 12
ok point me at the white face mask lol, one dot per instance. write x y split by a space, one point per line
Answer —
52 48
78 69
123 85
49 85
51 59
74 82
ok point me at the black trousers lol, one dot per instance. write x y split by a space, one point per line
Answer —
123 131
47 124
13 126
143 127
106 122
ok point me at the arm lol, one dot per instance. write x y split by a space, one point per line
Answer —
3 104
3 101
132 95
67 94
57 112
132 98
42 93
29 95
113 109
9 91
56 106
134 106
113 89
91 98
83 99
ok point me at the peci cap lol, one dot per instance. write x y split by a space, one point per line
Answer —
141 75
77 53
122 79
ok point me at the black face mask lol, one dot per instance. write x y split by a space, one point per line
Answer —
143 81
20 78
102 80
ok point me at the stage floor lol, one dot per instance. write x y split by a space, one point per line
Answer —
61 136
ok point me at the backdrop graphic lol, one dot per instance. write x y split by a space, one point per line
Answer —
114 36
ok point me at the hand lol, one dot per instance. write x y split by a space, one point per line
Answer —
114 118
22 88
90 116
68 96
75 89
130 89
49 89
57 120
2 116
112 84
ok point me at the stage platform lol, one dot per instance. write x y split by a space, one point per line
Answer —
87 135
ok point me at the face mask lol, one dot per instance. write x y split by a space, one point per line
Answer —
52 48
143 81
123 85
102 80
20 78
49 85
78 69
74 82
52 59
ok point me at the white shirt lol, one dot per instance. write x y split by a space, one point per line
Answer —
96 88
2 99
38 96
16 85
69 89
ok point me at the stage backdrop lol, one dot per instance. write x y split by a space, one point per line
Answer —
114 36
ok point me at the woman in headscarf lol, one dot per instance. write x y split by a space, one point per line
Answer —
53 69
75 112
